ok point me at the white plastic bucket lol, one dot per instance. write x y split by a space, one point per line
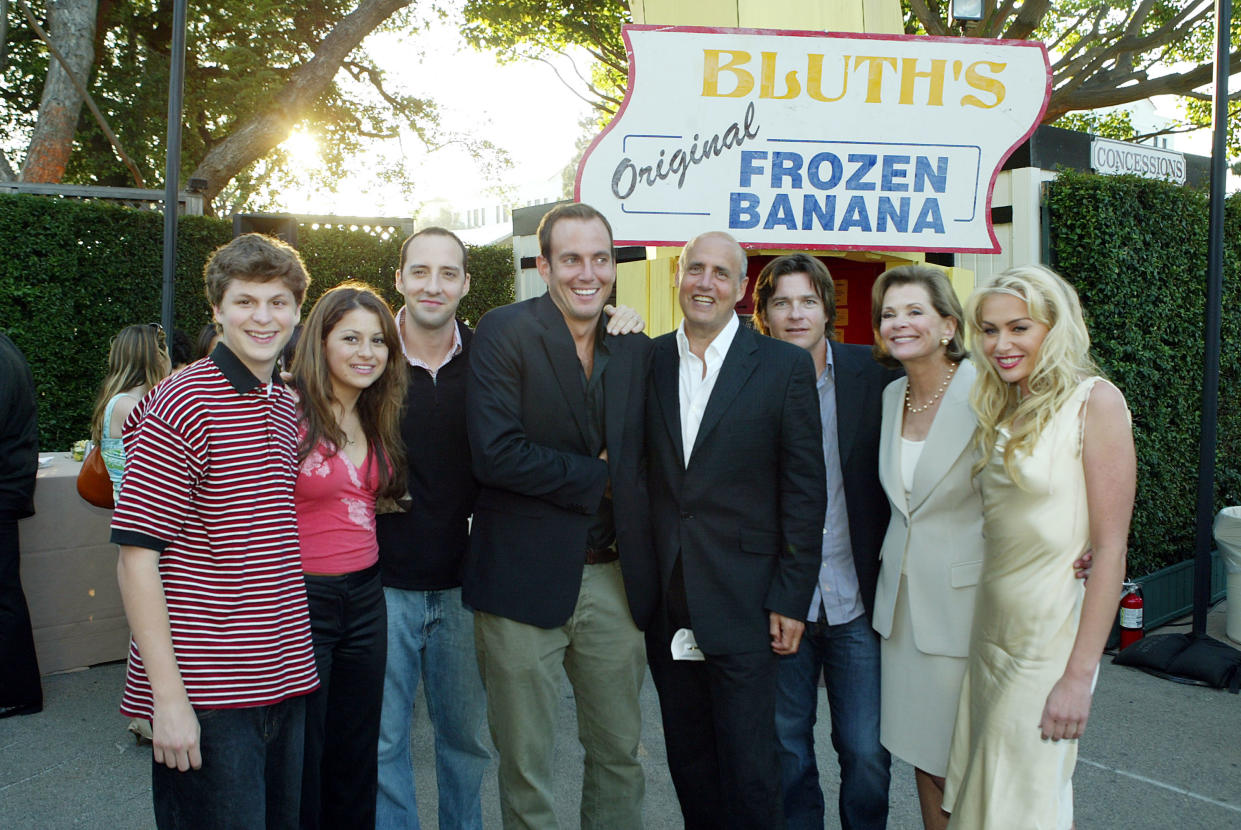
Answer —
1228 537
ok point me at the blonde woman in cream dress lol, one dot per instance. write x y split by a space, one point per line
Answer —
932 553
1058 473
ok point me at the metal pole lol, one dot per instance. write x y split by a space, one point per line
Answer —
1215 283
172 165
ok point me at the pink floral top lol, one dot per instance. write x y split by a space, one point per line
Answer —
335 504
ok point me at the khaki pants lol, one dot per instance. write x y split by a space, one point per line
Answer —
603 654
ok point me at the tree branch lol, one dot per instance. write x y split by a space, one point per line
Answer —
1001 14
931 21
599 105
257 136
4 39
1027 20
81 90
1092 96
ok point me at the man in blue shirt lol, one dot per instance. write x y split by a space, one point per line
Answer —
794 301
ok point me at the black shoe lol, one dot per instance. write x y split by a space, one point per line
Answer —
20 709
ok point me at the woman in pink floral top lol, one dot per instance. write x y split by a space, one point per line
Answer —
350 457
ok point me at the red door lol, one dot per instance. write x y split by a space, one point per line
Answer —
854 281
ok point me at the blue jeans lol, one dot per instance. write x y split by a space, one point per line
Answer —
847 655
431 637
251 775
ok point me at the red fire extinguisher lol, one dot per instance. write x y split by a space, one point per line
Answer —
1130 615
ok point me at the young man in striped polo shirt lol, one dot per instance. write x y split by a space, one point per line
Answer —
209 569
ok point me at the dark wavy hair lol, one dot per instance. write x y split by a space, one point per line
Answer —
379 405
769 280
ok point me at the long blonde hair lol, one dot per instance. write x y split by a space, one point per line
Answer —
137 357
379 405
1062 362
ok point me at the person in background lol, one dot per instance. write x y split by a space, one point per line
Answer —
350 456
1058 473
208 336
137 360
932 554
221 657
795 301
21 692
180 351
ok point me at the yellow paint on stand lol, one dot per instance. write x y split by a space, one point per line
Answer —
963 281
873 16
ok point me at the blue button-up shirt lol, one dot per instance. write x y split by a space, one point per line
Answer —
837 597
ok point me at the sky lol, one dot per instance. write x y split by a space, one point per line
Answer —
521 107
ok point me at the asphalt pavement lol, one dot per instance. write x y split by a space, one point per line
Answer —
1156 754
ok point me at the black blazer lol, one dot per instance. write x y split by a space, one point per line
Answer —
860 380
746 516
526 418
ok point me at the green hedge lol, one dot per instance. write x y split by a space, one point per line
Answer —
1136 250
74 273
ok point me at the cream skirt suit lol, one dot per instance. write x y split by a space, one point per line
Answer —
930 563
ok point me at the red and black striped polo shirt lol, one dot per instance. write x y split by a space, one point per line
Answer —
209 472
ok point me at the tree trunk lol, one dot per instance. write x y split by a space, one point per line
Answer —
71 26
257 136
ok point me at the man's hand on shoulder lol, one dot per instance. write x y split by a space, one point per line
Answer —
785 633
623 320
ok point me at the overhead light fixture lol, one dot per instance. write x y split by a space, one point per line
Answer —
966 11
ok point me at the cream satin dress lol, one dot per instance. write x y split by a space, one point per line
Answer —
1001 773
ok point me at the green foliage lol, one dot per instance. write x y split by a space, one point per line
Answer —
75 273
1136 250
493 281
238 58
1115 124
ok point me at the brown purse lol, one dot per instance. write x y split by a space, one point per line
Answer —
93 482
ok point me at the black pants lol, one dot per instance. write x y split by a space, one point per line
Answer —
349 624
19 668
719 719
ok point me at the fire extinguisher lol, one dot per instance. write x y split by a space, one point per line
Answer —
1130 615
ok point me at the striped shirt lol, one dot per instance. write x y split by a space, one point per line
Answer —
211 461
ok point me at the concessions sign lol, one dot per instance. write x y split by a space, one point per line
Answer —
813 140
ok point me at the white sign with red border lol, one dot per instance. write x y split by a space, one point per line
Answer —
813 140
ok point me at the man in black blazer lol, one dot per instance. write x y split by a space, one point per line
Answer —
794 301
560 571
735 470
21 692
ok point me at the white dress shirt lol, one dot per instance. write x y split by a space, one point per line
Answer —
695 386
417 363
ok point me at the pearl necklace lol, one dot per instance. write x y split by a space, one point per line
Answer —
914 410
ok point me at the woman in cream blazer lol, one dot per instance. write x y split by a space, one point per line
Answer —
932 553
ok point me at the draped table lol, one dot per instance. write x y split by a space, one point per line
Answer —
69 574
